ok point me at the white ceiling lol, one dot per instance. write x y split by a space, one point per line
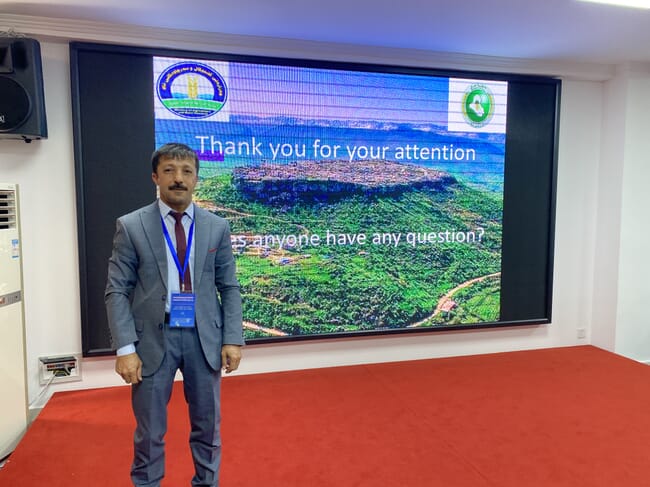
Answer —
566 30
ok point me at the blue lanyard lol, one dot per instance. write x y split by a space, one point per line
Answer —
181 272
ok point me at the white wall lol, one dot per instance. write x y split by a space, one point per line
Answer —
633 290
607 211
45 172
621 265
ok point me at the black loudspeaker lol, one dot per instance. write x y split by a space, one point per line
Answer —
22 101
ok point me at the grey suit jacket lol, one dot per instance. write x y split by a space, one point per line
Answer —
136 289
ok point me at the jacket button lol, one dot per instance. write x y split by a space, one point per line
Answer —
160 325
164 297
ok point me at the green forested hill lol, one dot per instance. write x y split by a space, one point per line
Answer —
419 245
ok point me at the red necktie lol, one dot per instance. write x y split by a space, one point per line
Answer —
181 247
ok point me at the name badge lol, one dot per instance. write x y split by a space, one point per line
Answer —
181 311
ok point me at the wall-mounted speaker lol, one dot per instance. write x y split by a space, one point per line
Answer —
22 100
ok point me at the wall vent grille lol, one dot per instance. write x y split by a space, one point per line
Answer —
7 209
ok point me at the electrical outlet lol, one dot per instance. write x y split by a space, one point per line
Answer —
582 333
60 368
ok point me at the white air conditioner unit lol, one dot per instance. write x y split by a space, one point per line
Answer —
13 400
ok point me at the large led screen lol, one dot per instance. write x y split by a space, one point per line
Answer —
362 199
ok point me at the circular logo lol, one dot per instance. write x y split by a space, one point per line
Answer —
478 105
191 90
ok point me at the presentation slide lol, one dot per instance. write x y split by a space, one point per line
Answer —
358 201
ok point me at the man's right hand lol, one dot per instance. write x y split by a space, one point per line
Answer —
129 367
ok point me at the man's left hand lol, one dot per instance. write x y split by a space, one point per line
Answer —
230 357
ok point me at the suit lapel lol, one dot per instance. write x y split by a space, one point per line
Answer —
201 238
153 231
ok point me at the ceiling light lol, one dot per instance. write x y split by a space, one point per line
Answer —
624 3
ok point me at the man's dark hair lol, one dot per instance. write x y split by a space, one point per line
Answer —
176 151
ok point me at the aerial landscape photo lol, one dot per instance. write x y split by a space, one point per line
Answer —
331 247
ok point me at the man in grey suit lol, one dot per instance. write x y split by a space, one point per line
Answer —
174 303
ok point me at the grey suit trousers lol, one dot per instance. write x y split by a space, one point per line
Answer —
201 385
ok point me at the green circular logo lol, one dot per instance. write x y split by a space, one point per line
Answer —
478 105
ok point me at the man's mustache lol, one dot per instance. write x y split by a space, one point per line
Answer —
177 186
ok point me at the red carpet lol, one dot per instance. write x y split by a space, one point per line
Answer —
575 416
